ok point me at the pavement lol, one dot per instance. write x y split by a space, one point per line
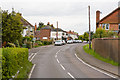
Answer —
95 62
61 62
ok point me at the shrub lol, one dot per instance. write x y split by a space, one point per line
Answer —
47 42
12 61
28 45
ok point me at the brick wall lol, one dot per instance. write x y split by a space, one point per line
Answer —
107 48
45 33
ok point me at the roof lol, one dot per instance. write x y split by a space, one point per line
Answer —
72 32
25 22
59 29
47 27
110 14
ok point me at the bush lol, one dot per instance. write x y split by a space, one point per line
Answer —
47 42
12 61
28 45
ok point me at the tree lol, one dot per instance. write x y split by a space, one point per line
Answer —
100 33
41 24
11 27
86 36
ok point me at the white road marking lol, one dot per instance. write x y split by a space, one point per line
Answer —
33 56
30 55
58 61
31 71
71 75
95 68
55 56
62 66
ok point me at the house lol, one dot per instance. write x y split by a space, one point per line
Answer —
44 33
28 29
61 34
72 35
109 22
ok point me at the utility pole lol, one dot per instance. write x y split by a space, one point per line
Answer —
57 31
89 29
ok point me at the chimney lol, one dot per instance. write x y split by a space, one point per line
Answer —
119 4
97 16
35 27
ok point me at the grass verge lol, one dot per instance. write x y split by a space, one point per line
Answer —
96 55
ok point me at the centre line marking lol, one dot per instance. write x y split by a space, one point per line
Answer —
94 67
62 66
71 75
58 61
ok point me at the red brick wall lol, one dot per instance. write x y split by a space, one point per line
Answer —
113 18
113 27
45 33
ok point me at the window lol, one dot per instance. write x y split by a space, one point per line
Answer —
119 27
103 26
107 26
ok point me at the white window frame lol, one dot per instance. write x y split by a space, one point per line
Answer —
106 26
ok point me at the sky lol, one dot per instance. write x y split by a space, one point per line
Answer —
70 14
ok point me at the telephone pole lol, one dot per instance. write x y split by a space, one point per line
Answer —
57 31
89 29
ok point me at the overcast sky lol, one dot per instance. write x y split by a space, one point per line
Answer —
71 14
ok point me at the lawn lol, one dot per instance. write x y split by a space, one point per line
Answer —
96 55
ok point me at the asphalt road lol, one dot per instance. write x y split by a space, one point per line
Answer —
61 62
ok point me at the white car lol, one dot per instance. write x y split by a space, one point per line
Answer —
70 41
58 42
79 41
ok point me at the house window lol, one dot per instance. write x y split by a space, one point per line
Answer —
107 26
103 26
119 26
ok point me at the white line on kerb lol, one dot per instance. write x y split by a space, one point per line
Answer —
58 61
62 66
31 71
33 57
94 67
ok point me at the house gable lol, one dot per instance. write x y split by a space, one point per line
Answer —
112 17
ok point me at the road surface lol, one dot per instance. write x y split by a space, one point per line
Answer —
61 62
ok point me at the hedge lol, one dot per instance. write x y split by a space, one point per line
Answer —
13 59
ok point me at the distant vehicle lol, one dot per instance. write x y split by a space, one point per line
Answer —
58 43
63 41
84 41
75 41
70 41
79 41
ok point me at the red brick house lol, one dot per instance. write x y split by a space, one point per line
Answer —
44 33
109 22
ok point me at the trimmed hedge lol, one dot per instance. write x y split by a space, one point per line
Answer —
12 61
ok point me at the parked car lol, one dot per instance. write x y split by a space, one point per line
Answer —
84 41
58 43
75 41
70 41
79 41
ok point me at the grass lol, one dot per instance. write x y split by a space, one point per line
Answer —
96 55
